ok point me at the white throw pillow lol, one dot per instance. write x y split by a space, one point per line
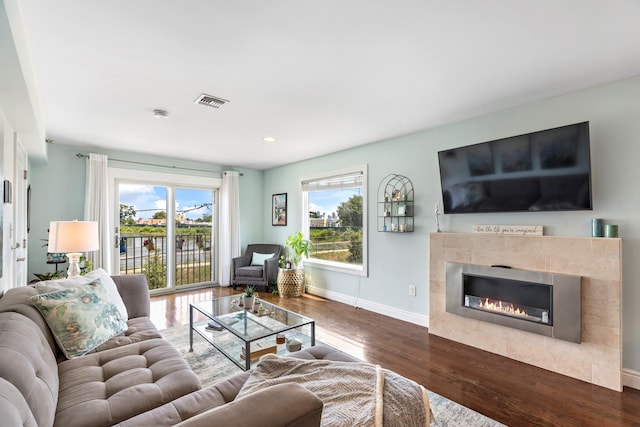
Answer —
97 274
258 259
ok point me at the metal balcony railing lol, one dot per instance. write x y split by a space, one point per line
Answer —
147 254
336 244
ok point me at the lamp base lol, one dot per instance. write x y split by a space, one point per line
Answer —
74 264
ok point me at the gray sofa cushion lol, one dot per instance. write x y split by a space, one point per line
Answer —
224 392
135 294
29 365
18 300
288 405
114 385
323 352
14 410
138 329
190 405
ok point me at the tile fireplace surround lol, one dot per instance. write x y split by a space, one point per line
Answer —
597 359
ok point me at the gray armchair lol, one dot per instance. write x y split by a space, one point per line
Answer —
258 270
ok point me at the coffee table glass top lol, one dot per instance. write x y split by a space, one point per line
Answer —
247 324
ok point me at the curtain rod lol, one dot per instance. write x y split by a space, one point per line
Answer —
81 155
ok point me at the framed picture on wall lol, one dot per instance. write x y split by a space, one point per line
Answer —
279 209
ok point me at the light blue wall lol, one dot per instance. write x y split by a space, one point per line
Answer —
399 260
58 192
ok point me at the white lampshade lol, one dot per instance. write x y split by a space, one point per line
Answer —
73 236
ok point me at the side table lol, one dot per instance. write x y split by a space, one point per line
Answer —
290 282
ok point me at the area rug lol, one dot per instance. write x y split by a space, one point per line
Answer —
211 366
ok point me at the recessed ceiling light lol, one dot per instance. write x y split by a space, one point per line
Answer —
269 139
160 114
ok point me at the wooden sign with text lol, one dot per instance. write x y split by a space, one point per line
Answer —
518 230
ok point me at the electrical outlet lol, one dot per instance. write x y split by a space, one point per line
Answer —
412 290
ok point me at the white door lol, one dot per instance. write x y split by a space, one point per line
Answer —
19 240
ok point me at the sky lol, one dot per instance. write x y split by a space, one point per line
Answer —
147 199
327 201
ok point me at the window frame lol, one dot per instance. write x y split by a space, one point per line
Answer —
341 267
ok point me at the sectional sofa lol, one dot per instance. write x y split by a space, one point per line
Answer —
133 379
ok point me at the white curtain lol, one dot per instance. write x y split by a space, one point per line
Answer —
96 208
229 224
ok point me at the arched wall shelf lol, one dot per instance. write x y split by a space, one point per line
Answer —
395 204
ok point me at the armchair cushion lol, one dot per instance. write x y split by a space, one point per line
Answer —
251 271
258 259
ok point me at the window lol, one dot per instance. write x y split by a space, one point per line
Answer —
334 212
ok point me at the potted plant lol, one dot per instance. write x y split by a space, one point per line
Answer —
248 296
291 280
298 246
273 284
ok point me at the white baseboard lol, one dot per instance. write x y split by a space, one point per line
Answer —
396 313
631 378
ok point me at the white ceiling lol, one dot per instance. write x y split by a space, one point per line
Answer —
319 75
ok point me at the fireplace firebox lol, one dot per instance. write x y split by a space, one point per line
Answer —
538 302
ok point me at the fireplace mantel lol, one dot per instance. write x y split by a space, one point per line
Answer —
597 359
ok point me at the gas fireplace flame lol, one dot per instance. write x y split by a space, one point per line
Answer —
501 307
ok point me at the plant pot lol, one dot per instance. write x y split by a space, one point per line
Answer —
290 282
248 302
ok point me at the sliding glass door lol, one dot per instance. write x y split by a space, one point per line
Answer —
166 232
194 236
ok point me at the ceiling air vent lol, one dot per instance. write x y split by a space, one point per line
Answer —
210 101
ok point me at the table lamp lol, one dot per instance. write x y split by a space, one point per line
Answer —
73 238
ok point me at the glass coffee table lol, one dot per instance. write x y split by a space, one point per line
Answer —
237 332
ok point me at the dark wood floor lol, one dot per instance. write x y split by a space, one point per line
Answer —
508 391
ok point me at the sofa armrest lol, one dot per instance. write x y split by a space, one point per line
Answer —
281 405
271 269
134 291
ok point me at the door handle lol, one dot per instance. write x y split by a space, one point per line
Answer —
20 259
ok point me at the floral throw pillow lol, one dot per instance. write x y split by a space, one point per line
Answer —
46 286
80 318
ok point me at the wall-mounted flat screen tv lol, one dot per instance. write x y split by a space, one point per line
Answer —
549 170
